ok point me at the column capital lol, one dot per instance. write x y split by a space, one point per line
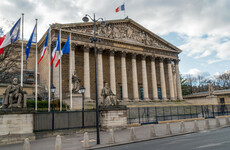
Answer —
177 61
73 46
112 52
153 58
169 60
99 50
161 59
134 55
86 48
123 53
143 56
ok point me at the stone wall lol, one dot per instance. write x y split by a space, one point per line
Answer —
15 128
115 118
207 100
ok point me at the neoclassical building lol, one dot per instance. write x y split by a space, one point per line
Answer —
137 64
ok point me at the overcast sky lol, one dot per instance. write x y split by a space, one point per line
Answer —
200 28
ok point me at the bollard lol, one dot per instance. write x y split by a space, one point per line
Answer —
26 145
182 127
207 125
111 136
85 140
217 122
132 134
227 121
168 129
196 128
152 131
58 144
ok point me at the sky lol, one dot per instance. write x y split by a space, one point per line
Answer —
200 28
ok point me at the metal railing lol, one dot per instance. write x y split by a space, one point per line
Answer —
63 120
148 115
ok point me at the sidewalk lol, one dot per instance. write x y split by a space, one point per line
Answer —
73 142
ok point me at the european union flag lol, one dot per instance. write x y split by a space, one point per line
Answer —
33 39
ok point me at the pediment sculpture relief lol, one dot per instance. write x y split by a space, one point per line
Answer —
125 32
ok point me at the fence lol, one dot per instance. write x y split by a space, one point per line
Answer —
63 120
148 115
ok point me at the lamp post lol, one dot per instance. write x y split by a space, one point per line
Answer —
53 91
82 91
94 40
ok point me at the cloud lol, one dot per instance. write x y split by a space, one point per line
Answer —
200 23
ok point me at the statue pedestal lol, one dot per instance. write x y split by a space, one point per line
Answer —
76 101
113 117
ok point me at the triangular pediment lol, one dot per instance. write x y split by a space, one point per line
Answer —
125 30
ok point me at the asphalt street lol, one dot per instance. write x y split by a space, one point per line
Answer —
206 140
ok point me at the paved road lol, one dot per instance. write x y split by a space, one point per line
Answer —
206 140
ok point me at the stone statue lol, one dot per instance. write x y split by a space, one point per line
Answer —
76 82
210 89
109 98
13 96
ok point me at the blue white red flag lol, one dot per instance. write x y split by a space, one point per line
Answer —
65 50
56 48
45 46
120 8
12 35
33 39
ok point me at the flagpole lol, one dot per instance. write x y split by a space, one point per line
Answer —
70 75
36 69
60 52
125 8
50 42
22 50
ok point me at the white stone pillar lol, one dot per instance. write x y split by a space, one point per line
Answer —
86 73
162 78
154 78
100 74
144 78
71 71
178 82
112 72
135 80
124 76
174 79
170 77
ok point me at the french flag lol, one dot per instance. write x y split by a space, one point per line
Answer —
120 8
11 36
65 50
56 48
45 46
1 40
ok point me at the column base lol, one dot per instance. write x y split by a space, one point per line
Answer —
146 99
164 99
89 100
156 99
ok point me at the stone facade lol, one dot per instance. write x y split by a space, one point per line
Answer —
122 38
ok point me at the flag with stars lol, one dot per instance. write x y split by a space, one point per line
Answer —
33 39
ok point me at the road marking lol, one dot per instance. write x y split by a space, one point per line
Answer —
211 145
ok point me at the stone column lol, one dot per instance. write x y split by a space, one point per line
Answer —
154 78
135 80
86 73
170 77
162 78
124 76
144 78
178 82
112 72
100 73
174 79
71 71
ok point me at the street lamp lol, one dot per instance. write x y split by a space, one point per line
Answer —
53 91
82 91
94 40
